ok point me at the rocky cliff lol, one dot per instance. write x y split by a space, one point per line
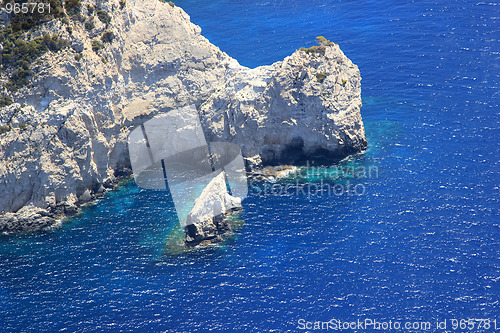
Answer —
68 127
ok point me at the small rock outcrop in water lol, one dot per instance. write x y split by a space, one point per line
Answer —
68 128
204 222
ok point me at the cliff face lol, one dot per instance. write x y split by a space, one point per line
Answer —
306 106
75 115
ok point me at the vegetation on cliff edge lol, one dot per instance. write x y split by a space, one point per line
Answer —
19 49
320 48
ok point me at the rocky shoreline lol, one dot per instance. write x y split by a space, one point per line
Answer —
30 219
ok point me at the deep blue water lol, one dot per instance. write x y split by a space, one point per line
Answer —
422 242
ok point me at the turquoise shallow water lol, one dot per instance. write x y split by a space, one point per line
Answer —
421 243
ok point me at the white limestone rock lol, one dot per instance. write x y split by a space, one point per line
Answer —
304 106
206 221
213 201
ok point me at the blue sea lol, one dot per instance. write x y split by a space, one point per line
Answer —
418 242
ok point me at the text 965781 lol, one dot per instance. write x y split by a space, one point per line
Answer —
26 7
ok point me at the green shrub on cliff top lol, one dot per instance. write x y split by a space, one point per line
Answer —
171 3
96 46
320 77
4 129
89 25
107 37
72 6
18 79
320 48
103 16
321 39
5 100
